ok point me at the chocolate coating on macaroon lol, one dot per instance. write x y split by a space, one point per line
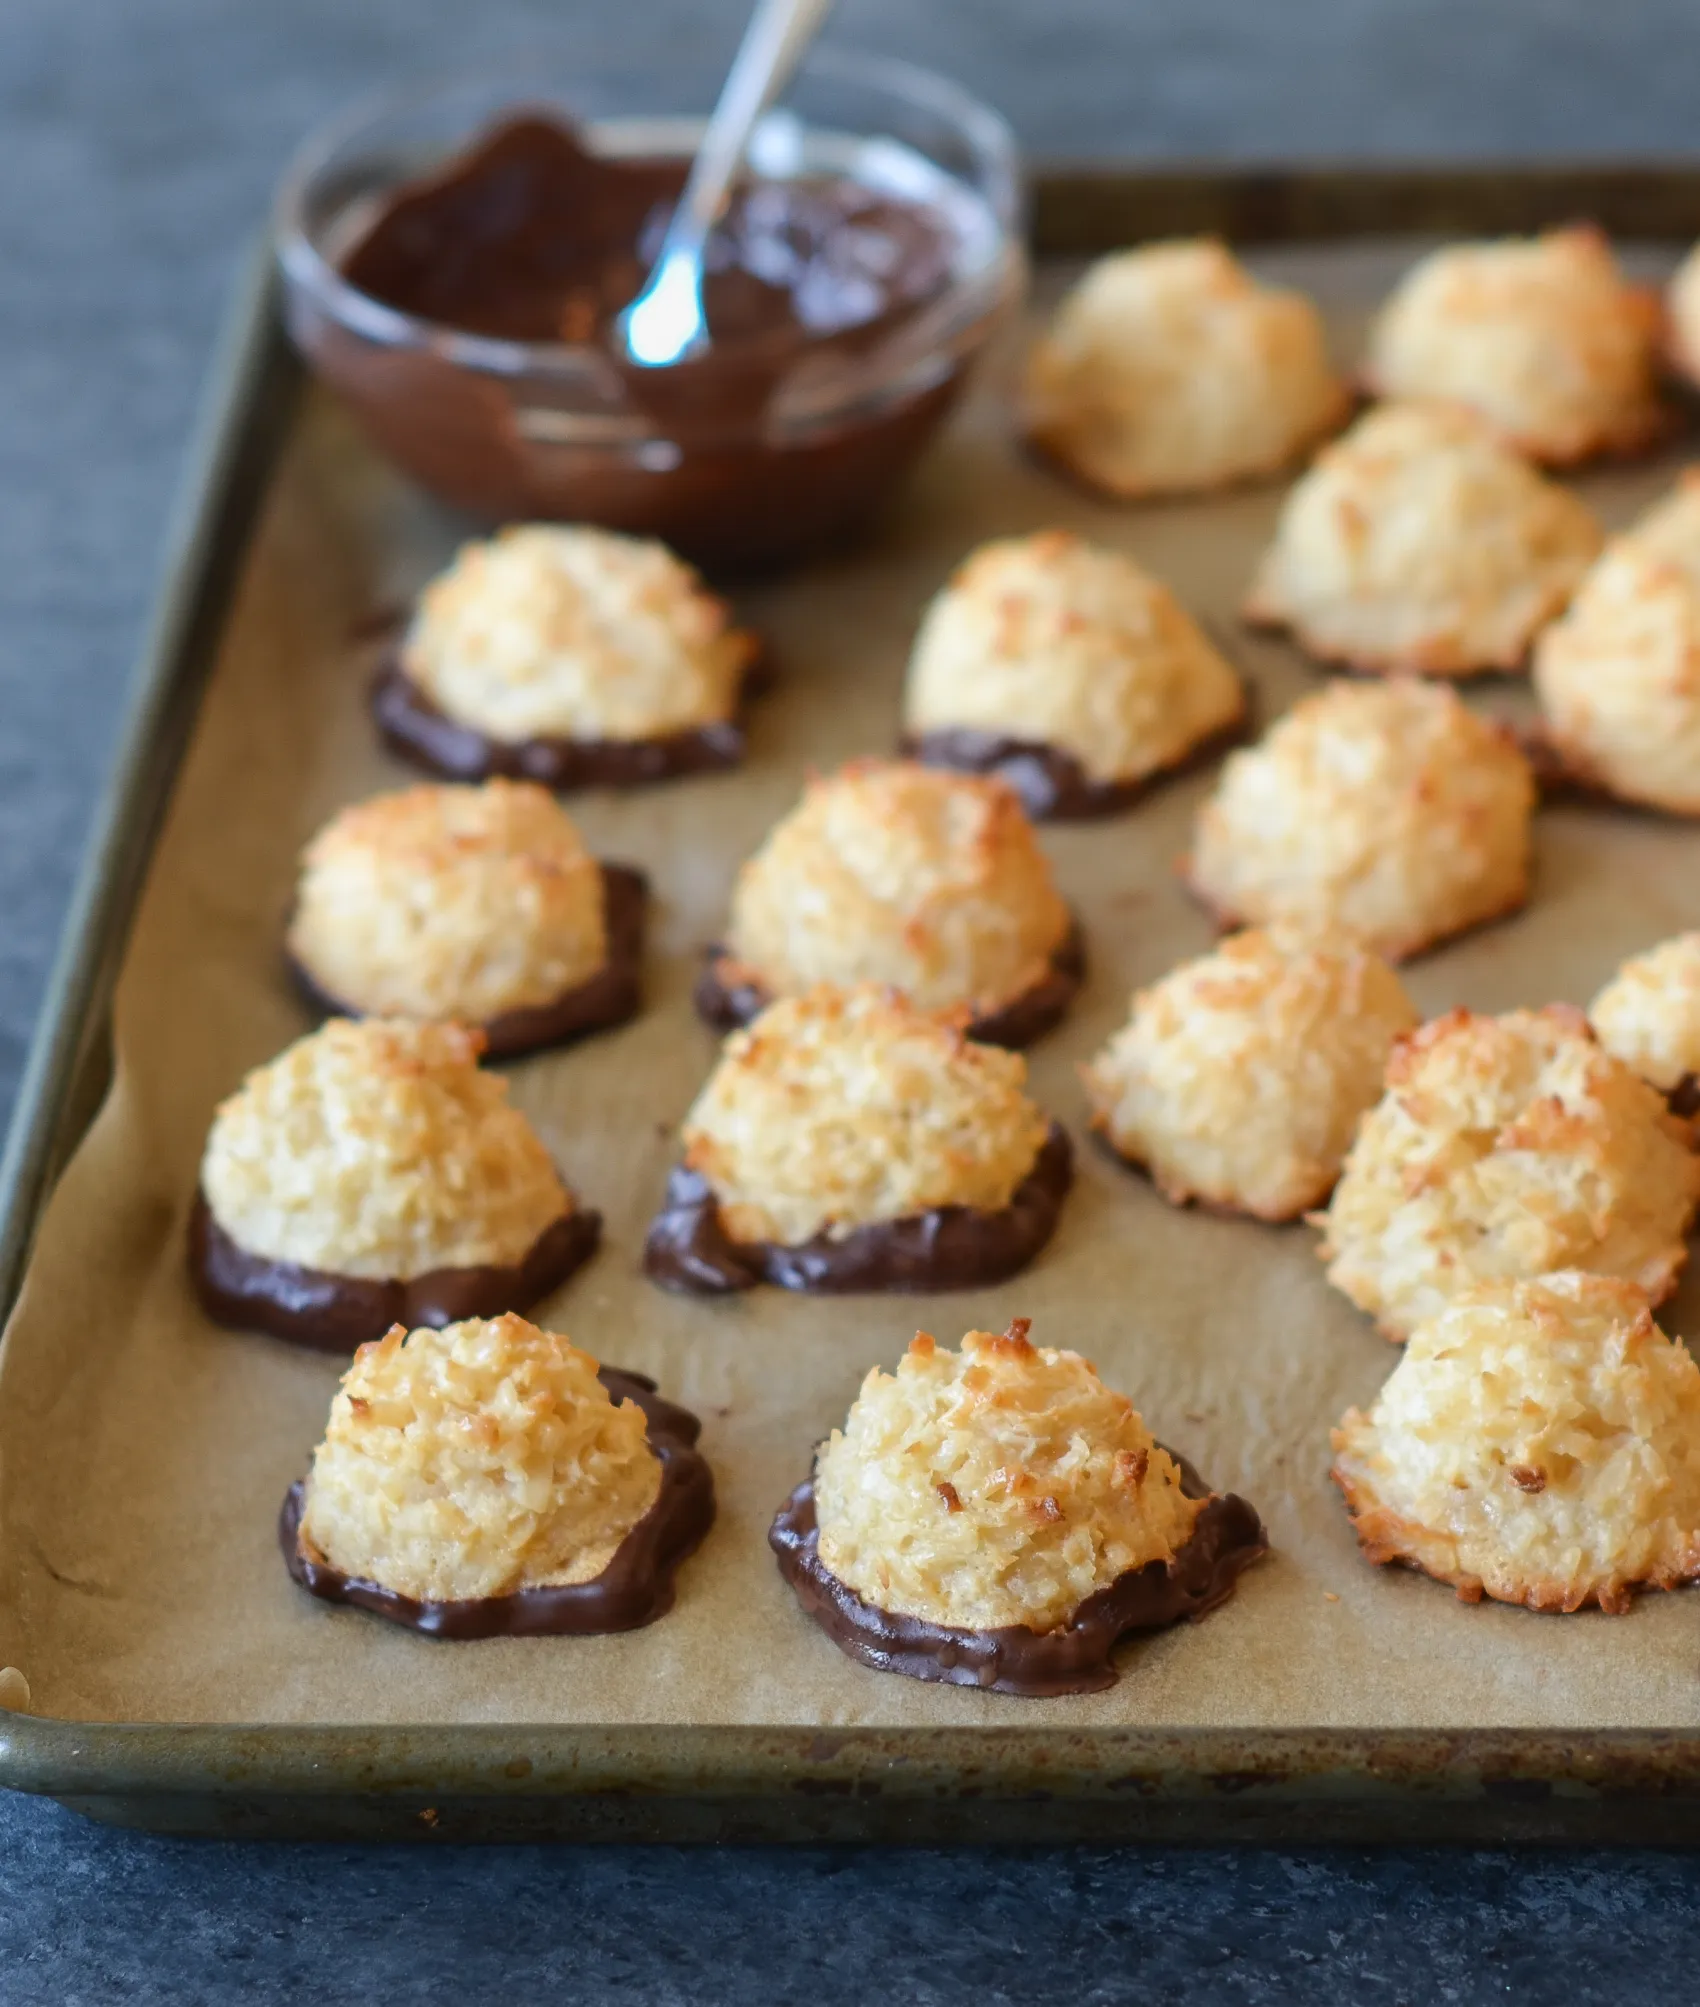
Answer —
1052 783
633 1590
1078 1657
996 1516
335 1313
414 727
945 1247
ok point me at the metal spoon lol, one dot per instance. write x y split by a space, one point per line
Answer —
665 323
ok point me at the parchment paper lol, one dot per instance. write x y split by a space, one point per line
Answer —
143 1453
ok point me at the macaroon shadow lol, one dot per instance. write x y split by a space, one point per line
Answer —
633 1590
1077 1656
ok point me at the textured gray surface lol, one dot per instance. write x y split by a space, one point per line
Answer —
140 139
89 1921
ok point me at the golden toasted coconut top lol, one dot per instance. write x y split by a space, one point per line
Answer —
1053 639
380 1149
474 1461
1170 368
1539 1441
546 630
894 873
841 1108
450 902
1388 810
1504 1148
1240 1076
1418 541
1618 677
1542 335
1002 1484
1648 1015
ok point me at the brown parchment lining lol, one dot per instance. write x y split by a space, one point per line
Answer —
143 1452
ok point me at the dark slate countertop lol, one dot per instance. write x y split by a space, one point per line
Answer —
141 138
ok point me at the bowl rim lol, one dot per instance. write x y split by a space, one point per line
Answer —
989 135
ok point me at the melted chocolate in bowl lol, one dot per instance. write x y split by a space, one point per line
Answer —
529 236
611 997
633 1590
728 996
948 1247
335 1313
1077 1657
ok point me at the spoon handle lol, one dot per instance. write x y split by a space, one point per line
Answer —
779 32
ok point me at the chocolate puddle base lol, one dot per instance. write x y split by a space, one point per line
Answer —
412 725
633 1590
727 999
612 996
1077 1657
947 1247
1052 783
335 1313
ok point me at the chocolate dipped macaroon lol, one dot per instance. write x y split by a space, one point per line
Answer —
374 1174
848 1141
472 905
491 1479
571 656
1068 670
900 874
997 1517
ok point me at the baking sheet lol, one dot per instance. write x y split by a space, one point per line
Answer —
143 1453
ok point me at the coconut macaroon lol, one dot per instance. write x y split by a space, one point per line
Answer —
474 904
1504 1148
1240 1077
1682 317
999 1517
491 1477
1618 678
1648 1016
374 1174
895 873
1389 810
568 655
848 1140
1069 670
1170 369
1420 543
1543 336
1539 1443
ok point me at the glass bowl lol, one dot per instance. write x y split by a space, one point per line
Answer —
511 429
